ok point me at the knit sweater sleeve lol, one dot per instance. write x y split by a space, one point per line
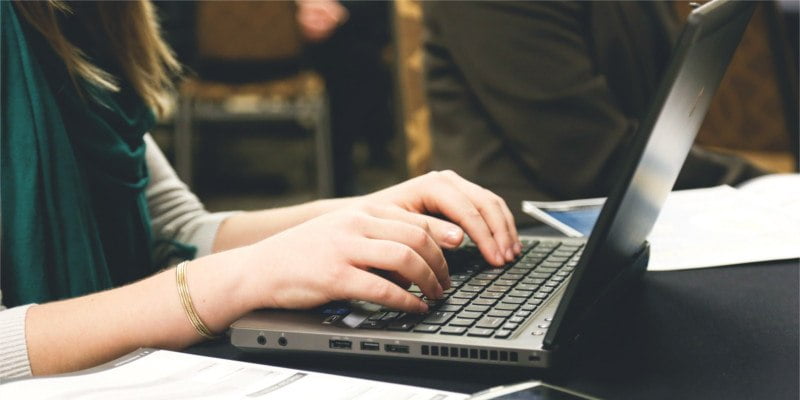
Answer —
14 361
176 214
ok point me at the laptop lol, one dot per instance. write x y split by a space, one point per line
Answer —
524 313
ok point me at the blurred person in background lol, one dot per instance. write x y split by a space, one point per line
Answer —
347 41
538 100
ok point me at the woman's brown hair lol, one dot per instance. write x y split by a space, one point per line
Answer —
133 36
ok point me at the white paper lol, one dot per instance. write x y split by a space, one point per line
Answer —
161 374
723 226
719 226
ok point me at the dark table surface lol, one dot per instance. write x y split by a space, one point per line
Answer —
729 332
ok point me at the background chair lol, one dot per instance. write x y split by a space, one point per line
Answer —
250 69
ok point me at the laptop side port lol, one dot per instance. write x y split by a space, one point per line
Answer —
371 346
340 344
396 348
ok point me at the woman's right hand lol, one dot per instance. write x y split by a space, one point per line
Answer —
334 257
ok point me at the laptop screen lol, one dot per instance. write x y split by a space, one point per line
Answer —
654 159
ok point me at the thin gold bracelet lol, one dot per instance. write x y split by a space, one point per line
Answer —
188 305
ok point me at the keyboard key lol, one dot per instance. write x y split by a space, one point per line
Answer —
516 319
513 276
437 318
540 295
538 275
470 288
372 324
461 322
506 282
499 313
479 282
405 322
550 264
480 332
377 316
477 308
490 322
502 334
533 281
534 301
546 289
456 302
390 316
498 288
523 313
510 326
448 308
469 315
526 286
552 283
453 330
491 295
487 275
520 293
513 300
400 326
423 328
465 295
484 302
507 306
528 307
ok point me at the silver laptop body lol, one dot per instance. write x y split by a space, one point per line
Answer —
593 272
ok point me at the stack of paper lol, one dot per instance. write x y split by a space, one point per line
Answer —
161 374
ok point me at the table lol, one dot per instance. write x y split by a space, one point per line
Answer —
729 332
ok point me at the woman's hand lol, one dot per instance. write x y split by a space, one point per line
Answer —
334 257
483 215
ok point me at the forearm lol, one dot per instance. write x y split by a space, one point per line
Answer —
82 332
249 227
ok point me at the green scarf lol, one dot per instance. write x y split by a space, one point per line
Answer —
74 214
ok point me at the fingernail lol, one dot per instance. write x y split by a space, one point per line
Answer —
517 247
439 292
448 283
453 236
509 255
423 308
499 258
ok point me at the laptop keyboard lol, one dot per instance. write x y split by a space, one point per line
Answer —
485 301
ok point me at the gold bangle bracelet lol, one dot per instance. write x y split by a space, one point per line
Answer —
188 305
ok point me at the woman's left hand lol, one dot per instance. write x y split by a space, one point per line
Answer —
482 214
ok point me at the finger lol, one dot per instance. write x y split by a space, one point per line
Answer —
491 208
513 226
398 257
451 202
413 236
361 285
444 233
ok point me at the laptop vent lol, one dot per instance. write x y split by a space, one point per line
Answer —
468 353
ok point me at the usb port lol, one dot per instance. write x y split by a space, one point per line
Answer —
396 348
372 346
340 344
